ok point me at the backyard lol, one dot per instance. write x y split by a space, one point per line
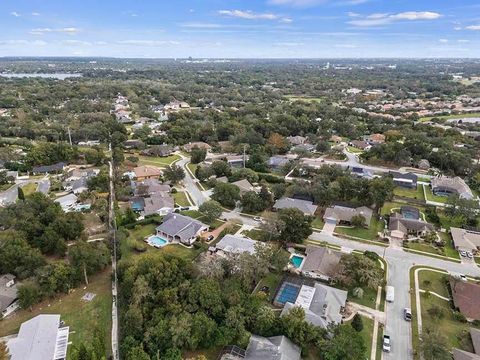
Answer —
410 193
81 316
432 197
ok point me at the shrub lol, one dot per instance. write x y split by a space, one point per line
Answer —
357 323
458 316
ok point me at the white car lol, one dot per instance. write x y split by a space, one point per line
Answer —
463 253
469 255
407 314
386 343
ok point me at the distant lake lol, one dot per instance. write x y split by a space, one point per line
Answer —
58 76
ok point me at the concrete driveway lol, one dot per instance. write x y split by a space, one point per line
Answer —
329 227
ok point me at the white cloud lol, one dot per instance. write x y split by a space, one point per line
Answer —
35 14
379 19
195 25
463 41
353 14
147 42
473 27
297 3
66 30
290 44
14 13
457 28
443 41
250 15
76 43
23 42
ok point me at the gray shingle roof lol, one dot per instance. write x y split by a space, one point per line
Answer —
320 260
236 245
397 222
452 184
465 239
272 348
343 213
7 294
304 206
180 226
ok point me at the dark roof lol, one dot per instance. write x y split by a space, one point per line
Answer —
406 176
466 297
320 260
49 168
398 222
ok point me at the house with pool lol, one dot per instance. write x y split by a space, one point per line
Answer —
320 263
177 228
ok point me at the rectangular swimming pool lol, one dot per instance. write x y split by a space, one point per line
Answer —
296 260
288 293
157 241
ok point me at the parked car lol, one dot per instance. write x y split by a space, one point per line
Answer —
386 343
210 238
257 218
390 293
469 255
407 314
463 253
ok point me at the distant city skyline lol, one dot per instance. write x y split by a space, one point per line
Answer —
241 29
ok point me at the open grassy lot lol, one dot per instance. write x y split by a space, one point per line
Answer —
432 197
81 316
29 188
158 161
364 233
410 193
181 199
446 117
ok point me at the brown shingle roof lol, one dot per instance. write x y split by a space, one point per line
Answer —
466 297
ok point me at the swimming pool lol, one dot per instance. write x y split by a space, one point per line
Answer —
296 260
288 293
157 241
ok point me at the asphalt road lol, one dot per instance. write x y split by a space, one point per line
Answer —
190 183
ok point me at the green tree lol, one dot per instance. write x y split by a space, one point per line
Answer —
346 344
174 174
433 346
198 155
88 258
21 194
28 295
358 221
226 194
211 210
137 353
297 226
357 322
252 202
220 168
360 270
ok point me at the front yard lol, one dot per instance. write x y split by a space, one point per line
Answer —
448 250
158 161
180 198
363 233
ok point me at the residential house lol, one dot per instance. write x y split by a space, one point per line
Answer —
8 294
180 228
360 144
67 202
444 186
323 305
306 207
272 348
296 140
158 150
160 204
245 186
149 187
407 180
199 144
362 172
320 263
303 148
465 355
48 169
231 245
336 139
79 185
147 172
40 338
277 162
78 173
89 143
401 227
375 139
466 240
339 214
176 105
466 298
134 144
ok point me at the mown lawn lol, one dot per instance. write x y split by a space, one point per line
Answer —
158 161
318 222
181 199
192 167
363 233
410 193
446 117
29 189
433 281
354 150
369 297
366 333
82 317
254 234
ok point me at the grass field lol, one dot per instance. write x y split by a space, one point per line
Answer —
432 197
29 189
81 316
158 161
410 193
366 334
254 234
433 281
364 233
192 167
354 150
446 117
181 199
318 222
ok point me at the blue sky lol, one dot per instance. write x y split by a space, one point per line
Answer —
246 29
